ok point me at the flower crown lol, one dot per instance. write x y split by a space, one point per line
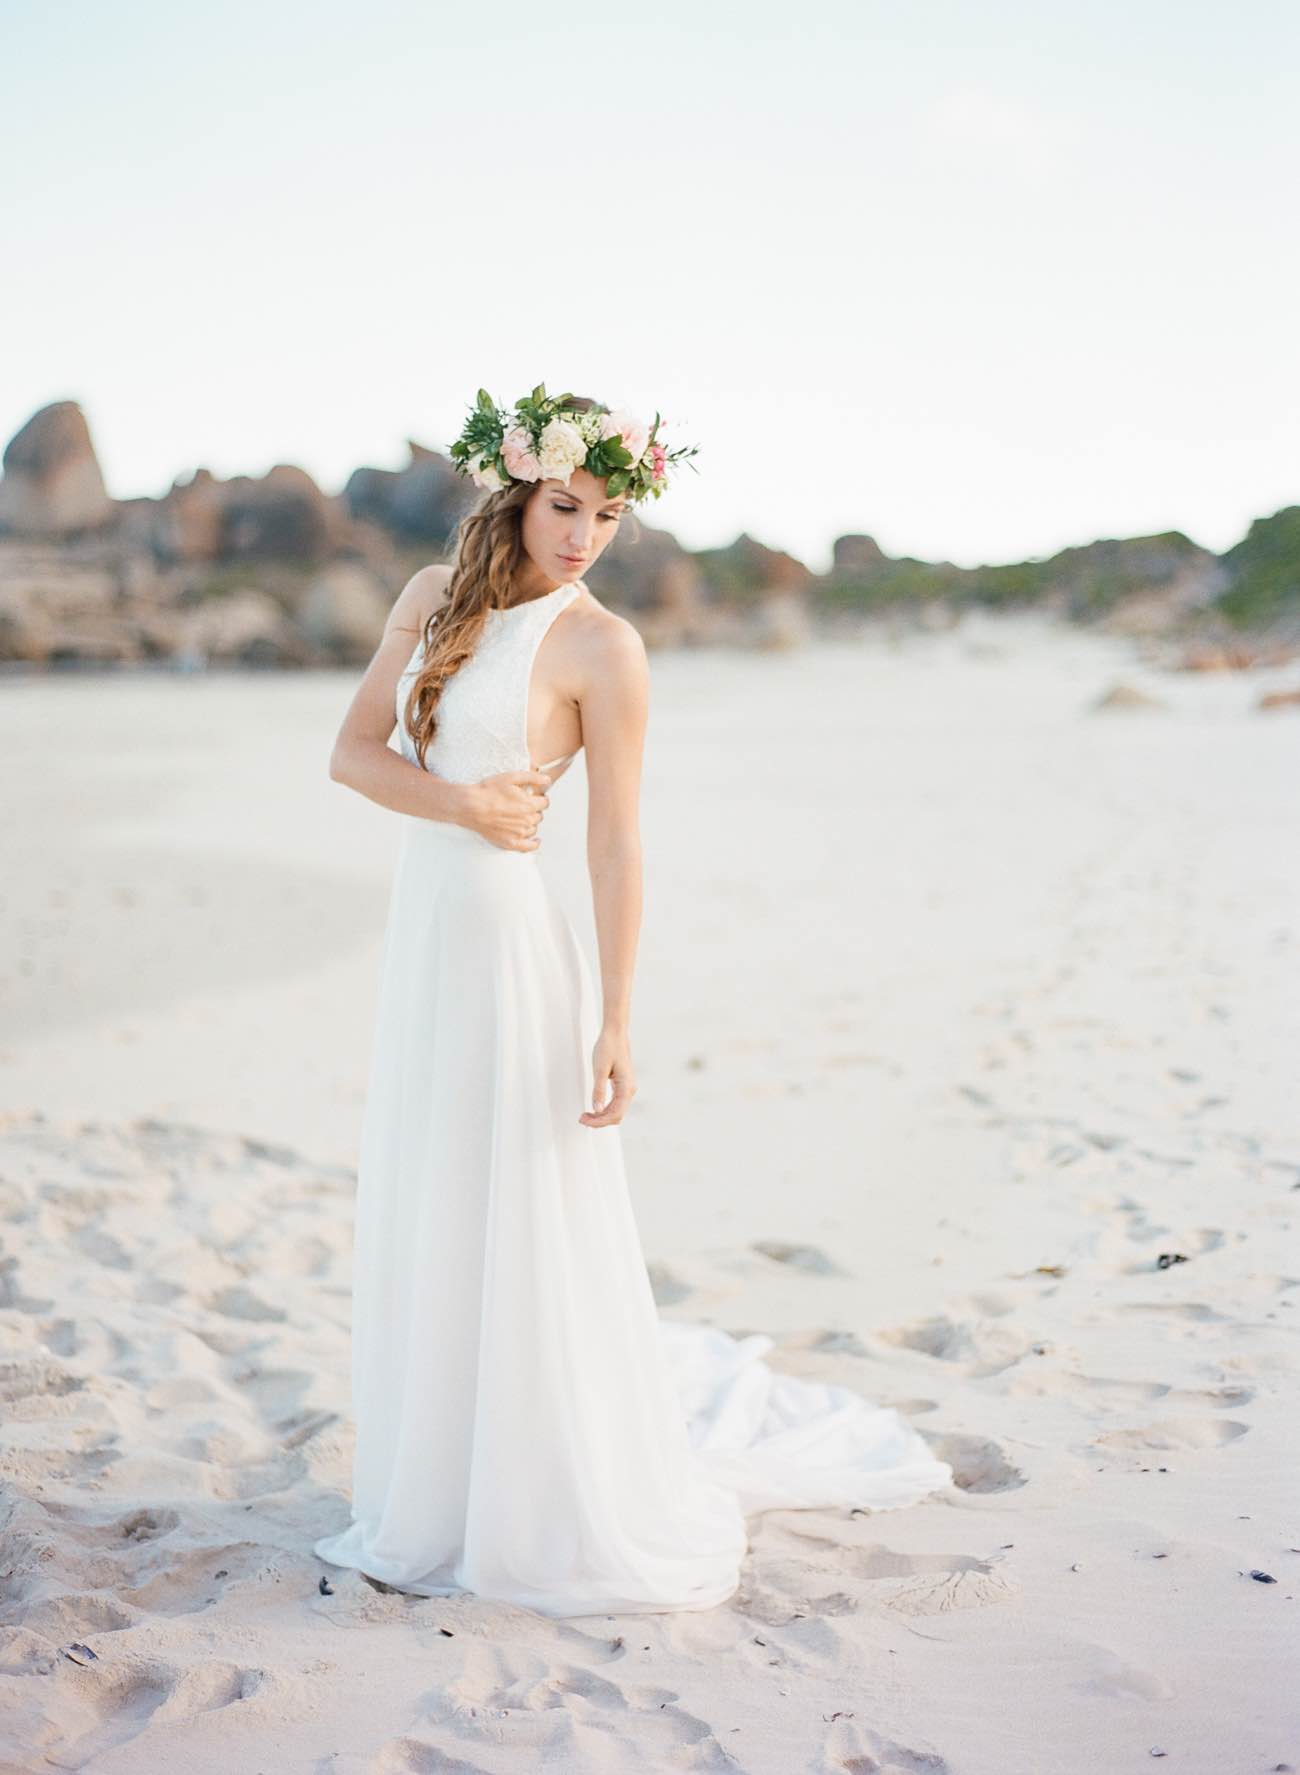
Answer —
545 438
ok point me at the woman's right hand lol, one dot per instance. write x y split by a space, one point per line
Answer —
507 809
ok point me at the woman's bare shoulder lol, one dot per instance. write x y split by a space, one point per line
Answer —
423 592
605 630
607 648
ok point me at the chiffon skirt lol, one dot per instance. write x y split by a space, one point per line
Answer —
527 1427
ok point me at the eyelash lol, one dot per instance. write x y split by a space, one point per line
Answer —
609 517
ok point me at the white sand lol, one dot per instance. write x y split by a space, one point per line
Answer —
943 978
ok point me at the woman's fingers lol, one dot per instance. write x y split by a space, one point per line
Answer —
605 1118
613 1111
537 805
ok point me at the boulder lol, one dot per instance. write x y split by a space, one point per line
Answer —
281 515
245 627
93 641
1127 696
781 621
646 575
1136 584
343 612
67 600
1229 657
746 570
52 485
26 631
189 522
1279 699
859 555
1263 572
663 602
424 501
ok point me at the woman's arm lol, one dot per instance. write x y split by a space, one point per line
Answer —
614 703
362 758
504 808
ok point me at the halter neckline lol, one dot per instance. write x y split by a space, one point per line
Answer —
528 603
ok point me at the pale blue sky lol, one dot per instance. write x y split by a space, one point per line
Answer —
982 279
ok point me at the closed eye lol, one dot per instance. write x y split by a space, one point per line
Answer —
609 517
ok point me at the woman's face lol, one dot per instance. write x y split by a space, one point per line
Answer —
567 526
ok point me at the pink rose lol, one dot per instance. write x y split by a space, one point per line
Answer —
517 454
634 432
658 456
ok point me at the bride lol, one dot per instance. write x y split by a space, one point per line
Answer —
528 1428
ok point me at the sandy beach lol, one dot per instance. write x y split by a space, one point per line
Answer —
967 1038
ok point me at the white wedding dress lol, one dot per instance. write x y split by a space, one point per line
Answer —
528 1428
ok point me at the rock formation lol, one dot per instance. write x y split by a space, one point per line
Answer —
271 570
52 485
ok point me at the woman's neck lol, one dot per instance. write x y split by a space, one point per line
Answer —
531 584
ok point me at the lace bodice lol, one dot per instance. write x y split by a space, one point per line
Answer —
483 709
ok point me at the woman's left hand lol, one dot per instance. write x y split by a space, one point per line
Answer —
611 1063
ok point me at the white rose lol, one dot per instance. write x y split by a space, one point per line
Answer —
484 474
562 449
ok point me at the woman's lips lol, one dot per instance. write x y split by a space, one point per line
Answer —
574 560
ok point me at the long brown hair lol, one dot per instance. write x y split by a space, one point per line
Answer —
488 549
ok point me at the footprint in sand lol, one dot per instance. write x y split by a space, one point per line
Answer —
125 1700
241 1303
978 1464
1191 1243
1114 1677
1120 1392
554 1705
669 1290
1185 1433
136 1526
409 1756
825 1342
817 1567
60 1619
976 1347
36 1380
808 1258
779 1590
852 1748
1175 1309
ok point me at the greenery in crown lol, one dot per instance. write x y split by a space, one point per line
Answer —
544 437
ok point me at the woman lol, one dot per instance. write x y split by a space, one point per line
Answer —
527 1427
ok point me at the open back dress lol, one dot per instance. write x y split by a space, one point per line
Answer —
528 1428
